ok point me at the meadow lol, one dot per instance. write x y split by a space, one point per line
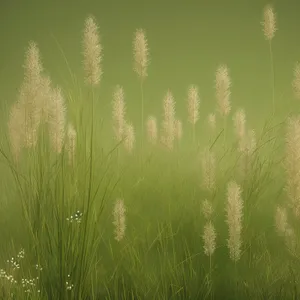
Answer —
153 210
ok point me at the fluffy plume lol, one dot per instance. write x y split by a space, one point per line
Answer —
234 211
92 52
209 238
168 126
269 22
57 120
44 100
118 114
239 120
33 67
141 53
31 94
119 219
152 130
223 84
193 104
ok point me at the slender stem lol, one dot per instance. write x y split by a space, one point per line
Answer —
272 76
236 280
210 277
142 125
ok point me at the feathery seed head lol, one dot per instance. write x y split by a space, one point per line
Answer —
168 125
193 104
31 117
239 120
31 93
118 113
269 22
209 238
223 84
119 219
57 120
234 211
32 67
43 101
152 130
92 52
141 53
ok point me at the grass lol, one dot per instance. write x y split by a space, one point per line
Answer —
59 241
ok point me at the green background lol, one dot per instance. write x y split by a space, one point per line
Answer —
187 41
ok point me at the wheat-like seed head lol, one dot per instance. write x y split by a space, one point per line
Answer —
71 144
30 94
33 67
209 238
152 130
29 107
223 84
44 99
129 137
211 119
168 126
207 209
16 130
193 104
92 52
118 113
141 53
57 120
296 80
119 219
234 211
239 120
292 163
208 169
269 22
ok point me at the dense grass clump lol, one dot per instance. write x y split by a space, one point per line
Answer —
164 214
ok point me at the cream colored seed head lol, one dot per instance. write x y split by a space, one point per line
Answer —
92 52
269 22
141 53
